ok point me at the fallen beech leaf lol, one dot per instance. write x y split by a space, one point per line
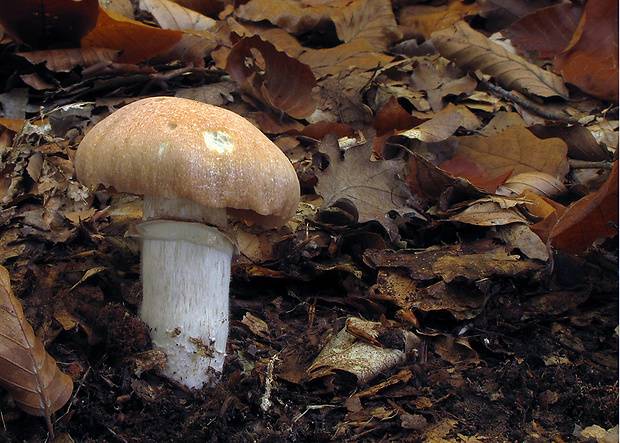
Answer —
294 17
516 149
589 218
139 42
44 23
371 186
533 35
520 236
539 183
357 55
362 357
444 124
27 371
581 143
170 15
64 60
279 81
372 20
472 172
471 50
392 116
489 212
591 60
427 19
427 181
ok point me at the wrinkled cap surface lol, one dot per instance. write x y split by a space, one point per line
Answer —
179 148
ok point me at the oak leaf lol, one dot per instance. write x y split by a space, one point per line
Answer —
471 50
27 371
372 186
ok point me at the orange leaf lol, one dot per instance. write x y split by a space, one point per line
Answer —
472 172
138 41
591 60
589 218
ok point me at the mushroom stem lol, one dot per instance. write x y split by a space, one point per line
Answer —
186 277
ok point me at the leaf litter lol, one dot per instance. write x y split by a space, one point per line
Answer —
450 275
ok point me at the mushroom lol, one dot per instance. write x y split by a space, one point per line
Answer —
198 166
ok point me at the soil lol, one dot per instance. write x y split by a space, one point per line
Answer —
537 363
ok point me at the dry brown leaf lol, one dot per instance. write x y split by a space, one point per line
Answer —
471 50
347 352
591 60
516 149
170 15
580 141
358 55
294 17
64 60
371 186
277 80
427 19
444 124
489 212
27 371
372 20
533 35
589 218
539 183
139 42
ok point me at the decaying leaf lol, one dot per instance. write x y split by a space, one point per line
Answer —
27 371
354 349
170 15
472 50
371 186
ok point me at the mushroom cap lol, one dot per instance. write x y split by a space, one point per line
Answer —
183 149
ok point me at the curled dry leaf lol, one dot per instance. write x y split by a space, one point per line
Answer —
471 50
279 81
356 349
540 183
27 371
170 15
64 60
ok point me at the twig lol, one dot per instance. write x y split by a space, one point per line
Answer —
549 114
585 164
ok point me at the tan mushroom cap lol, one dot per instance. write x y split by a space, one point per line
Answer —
179 148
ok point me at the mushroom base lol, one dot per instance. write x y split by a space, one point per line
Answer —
186 277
